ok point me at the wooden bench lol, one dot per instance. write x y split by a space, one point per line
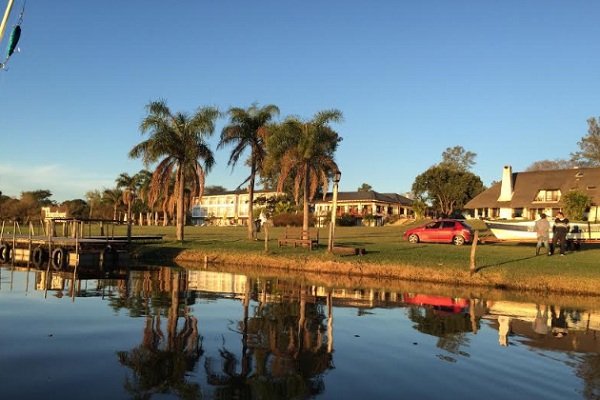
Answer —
349 251
298 237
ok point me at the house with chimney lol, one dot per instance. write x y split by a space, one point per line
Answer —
525 195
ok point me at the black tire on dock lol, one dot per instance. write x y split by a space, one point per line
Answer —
5 253
59 259
38 256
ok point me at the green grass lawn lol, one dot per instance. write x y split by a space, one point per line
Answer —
501 264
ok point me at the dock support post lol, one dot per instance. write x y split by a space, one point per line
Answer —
12 252
77 245
29 245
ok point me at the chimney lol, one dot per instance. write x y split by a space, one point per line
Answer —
506 190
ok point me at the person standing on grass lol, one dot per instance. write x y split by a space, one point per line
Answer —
542 230
561 228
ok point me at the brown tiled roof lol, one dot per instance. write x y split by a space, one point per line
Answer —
526 186
367 196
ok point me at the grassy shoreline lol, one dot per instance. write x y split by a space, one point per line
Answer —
500 266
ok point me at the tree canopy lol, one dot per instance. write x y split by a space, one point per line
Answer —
546 165
247 129
177 141
458 158
306 149
448 189
589 146
365 187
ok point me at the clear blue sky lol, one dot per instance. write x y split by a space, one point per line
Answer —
513 81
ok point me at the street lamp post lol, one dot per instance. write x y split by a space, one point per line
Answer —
336 179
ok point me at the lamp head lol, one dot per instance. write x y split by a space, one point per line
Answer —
337 175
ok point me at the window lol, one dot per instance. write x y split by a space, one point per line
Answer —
552 195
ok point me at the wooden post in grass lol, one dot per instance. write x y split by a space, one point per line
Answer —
266 238
473 251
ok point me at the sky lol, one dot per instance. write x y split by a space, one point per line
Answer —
512 81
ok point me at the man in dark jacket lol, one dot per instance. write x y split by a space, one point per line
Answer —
560 229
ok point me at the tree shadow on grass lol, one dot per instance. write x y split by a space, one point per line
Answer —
477 269
163 253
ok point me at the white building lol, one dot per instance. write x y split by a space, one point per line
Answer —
229 208
369 208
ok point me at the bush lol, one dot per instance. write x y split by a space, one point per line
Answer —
576 203
346 220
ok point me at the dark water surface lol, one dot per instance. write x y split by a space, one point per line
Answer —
174 333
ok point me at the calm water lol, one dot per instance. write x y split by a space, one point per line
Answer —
171 333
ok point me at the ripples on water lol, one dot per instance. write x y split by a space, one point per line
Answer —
176 333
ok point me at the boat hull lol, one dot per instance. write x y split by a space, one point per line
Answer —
525 230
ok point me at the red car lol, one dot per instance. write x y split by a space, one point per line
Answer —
441 231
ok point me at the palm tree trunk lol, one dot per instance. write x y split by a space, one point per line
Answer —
129 221
251 227
305 209
180 203
115 212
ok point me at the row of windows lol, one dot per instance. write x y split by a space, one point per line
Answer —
548 195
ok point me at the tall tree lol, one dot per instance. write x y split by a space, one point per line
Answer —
589 145
113 197
143 182
76 208
459 158
247 130
448 189
365 187
178 143
94 199
129 185
546 165
306 148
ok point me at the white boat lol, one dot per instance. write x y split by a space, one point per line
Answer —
524 230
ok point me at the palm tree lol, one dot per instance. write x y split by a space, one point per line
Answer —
94 198
144 180
114 197
306 149
129 183
177 142
247 129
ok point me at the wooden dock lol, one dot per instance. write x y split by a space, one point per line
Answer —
69 250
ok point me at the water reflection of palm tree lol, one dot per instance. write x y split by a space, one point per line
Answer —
159 365
286 341
589 371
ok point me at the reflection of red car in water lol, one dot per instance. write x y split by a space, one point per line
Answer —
448 304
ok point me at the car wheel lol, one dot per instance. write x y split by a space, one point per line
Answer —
413 239
458 240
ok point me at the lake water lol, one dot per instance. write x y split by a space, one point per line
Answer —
178 333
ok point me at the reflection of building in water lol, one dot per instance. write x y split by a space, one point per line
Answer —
548 327
503 330
216 282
